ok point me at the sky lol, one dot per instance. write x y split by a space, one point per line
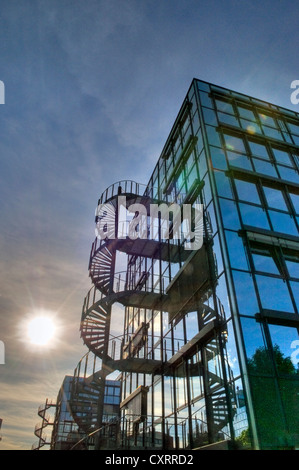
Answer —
92 89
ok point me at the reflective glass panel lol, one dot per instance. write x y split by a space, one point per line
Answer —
254 216
281 156
275 198
224 106
288 174
209 116
295 289
282 338
256 351
245 293
293 268
236 250
228 119
251 127
267 120
294 128
295 201
265 168
223 184
274 294
270 132
283 223
238 160
247 191
296 139
234 143
213 136
218 158
265 263
259 150
246 113
206 100
229 214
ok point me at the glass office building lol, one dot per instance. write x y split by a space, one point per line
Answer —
206 344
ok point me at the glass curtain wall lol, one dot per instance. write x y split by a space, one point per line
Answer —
253 154
197 398
228 369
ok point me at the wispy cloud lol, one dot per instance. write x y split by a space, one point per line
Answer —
92 89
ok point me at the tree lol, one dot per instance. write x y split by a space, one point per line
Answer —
260 362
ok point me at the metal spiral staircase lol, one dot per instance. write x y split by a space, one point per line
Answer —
110 287
46 421
85 394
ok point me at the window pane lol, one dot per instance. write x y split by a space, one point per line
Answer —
254 216
270 132
224 106
283 223
274 294
251 127
247 191
245 293
265 168
293 268
234 143
192 176
223 185
190 162
282 338
239 160
229 214
258 149
265 263
275 198
236 250
296 139
294 128
288 174
218 158
267 120
228 119
281 156
209 116
295 201
246 113
256 351
213 136
206 100
295 290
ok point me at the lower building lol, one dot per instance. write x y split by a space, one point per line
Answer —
74 422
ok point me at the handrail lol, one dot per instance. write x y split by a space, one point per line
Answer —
153 283
124 187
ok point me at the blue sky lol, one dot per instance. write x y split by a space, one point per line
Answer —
91 91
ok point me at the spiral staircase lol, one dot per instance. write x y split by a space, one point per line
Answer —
110 287
85 394
46 421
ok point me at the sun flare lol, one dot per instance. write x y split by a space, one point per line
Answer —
41 330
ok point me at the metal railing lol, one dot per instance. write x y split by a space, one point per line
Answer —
125 187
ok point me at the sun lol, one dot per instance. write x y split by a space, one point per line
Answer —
41 330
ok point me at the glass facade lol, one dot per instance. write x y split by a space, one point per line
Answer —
66 432
70 429
239 382
204 340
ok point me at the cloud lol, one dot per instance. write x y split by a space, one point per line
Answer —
18 409
92 90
